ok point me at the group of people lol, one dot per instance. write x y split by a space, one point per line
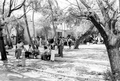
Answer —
30 53
36 53
47 54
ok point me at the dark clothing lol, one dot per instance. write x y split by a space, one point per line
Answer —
69 43
45 57
60 51
60 47
52 47
18 53
36 53
27 54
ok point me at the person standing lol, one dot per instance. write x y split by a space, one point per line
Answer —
69 42
18 50
23 56
60 47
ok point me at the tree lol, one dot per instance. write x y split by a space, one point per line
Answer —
50 5
51 11
35 5
84 36
2 47
33 21
26 22
45 31
108 30
73 21
5 19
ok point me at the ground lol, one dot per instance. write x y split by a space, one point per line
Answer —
88 63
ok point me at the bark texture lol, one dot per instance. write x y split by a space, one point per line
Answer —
25 18
2 46
112 43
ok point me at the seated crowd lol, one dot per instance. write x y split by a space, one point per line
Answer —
33 53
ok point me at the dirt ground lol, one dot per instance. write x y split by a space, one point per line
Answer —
88 63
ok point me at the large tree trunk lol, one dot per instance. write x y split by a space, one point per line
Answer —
114 58
25 17
54 27
2 46
85 35
112 43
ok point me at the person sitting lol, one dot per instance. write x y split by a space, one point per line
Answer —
29 52
46 54
36 52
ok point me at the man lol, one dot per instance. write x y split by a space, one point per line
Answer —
60 47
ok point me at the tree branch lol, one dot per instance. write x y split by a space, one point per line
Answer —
84 36
103 11
56 3
52 18
15 8
26 22
3 7
83 2
19 6
78 5
10 6
21 16
71 3
113 26
110 4
99 27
